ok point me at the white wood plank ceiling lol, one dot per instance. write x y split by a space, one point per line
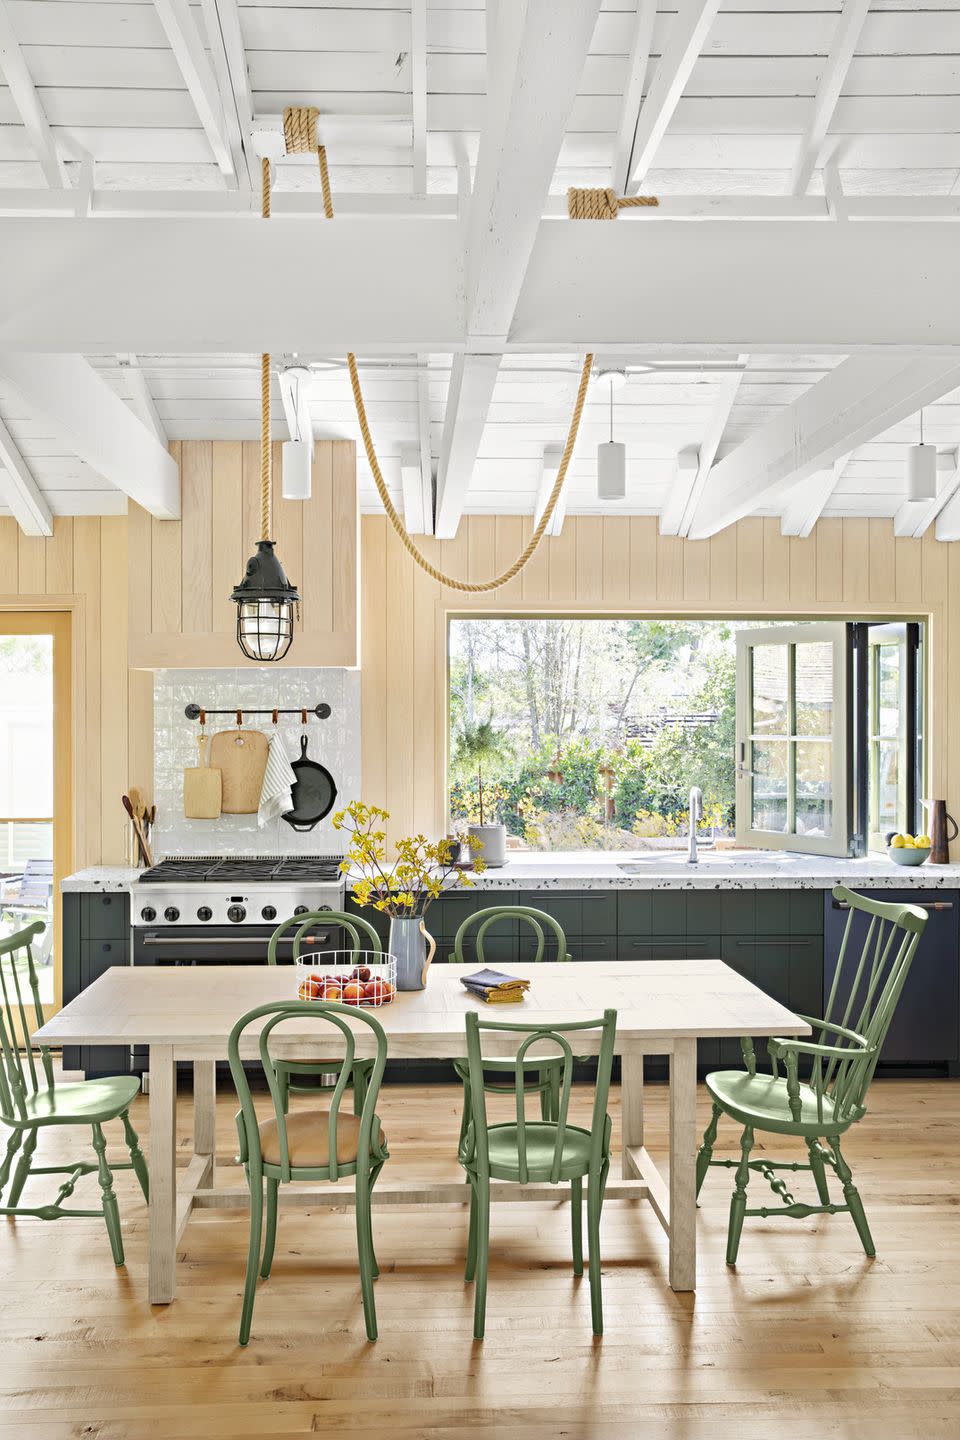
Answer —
812 107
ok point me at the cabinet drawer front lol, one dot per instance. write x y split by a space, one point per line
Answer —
586 912
669 947
105 917
579 947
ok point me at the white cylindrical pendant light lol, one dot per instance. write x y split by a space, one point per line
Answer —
297 464
611 470
922 472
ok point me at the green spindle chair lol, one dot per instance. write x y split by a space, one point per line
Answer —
543 1077
545 1151
30 1101
321 1144
355 926
844 1053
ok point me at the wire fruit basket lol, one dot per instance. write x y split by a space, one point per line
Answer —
346 977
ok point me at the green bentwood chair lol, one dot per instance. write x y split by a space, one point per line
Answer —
844 1054
30 1101
543 1077
355 926
546 1151
310 1144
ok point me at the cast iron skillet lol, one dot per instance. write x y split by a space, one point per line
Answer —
314 793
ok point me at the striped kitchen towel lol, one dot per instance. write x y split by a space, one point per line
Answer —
278 781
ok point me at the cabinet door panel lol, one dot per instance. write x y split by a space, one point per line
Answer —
96 957
105 917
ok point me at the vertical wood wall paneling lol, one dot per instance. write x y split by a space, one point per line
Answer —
776 563
287 531
589 575
375 721
750 562
166 570
429 659
723 566
227 535
196 496
856 560
643 558
882 560
908 571
344 536
615 570
32 564
316 585
535 575
507 546
86 763
10 554
59 557
696 571
114 719
803 570
829 540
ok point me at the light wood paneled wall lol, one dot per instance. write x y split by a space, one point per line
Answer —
182 572
608 564
82 568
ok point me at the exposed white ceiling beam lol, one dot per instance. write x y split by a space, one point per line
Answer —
417 497
27 104
588 285
140 396
20 491
472 381
633 94
858 400
806 502
552 455
835 70
948 520
181 31
418 92
423 435
99 427
684 497
536 50
684 43
227 53
916 516
308 205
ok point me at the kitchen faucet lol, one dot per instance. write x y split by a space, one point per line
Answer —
695 807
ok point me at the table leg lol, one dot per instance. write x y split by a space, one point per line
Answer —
161 1285
631 1108
683 1156
205 1117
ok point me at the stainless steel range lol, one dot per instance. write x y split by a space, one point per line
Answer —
215 909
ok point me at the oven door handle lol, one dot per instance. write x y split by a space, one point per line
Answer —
158 940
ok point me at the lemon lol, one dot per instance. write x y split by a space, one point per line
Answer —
898 842
922 842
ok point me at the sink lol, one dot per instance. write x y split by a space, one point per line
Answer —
713 859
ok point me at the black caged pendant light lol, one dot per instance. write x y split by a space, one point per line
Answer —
265 599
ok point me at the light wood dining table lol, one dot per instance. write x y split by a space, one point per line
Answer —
186 1013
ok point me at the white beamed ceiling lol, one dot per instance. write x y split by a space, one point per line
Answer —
111 89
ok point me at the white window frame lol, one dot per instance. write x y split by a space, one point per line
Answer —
838 841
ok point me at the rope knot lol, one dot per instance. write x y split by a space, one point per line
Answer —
300 129
592 204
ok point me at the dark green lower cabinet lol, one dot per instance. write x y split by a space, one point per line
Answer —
95 935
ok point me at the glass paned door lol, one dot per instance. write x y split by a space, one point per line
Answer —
893 682
792 738
35 817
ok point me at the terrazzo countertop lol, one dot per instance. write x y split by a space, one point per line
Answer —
715 870
652 870
100 878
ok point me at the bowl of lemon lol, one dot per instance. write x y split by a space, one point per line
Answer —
908 849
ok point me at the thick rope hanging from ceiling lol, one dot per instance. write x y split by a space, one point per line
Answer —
300 136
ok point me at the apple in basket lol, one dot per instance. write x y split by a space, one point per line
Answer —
362 972
311 988
352 992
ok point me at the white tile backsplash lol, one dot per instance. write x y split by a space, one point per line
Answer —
334 742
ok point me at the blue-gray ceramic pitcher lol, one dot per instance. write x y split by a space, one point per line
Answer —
409 939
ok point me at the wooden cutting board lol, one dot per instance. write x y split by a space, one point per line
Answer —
241 758
201 788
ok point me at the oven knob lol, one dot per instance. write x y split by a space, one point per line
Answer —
204 913
269 912
301 910
325 907
236 913
148 913
171 913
